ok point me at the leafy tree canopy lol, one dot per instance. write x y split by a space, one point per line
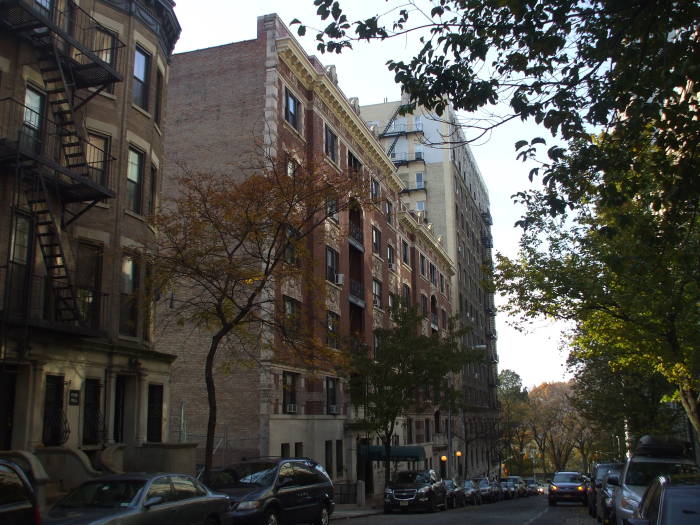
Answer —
577 67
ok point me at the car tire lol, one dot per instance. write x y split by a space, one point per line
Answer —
272 518
323 517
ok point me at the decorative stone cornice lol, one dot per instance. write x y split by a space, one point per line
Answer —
289 50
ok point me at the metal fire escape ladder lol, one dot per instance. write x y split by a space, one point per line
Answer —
48 236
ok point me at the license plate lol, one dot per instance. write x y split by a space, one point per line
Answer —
403 503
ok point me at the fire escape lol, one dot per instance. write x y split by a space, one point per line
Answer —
60 174
398 130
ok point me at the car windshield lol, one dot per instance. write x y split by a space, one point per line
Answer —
108 494
683 506
643 472
258 474
412 477
449 483
567 477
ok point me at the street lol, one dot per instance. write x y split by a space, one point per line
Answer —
521 511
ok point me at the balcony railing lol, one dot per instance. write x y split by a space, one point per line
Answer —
357 289
93 50
405 158
355 232
33 137
487 241
399 129
38 305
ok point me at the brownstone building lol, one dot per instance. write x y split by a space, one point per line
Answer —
82 100
223 103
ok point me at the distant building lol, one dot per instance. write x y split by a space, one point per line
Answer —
445 188
224 100
82 98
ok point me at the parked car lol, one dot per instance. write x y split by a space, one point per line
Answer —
652 457
18 505
487 494
567 486
472 494
126 499
595 483
531 486
519 483
497 491
415 489
454 494
509 490
670 500
605 497
265 491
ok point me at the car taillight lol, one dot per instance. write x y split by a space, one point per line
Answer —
37 515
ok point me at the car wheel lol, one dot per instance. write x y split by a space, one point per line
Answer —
432 505
272 518
323 517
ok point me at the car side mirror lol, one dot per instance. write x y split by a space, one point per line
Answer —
155 500
614 481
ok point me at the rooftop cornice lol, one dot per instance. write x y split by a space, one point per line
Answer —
296 58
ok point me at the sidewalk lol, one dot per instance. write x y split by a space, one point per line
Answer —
347 512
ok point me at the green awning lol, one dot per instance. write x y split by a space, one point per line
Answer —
378 453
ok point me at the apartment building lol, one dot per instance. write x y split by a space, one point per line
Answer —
445 188
82 99
224 102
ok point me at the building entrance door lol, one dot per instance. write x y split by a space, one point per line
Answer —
8 381
55 424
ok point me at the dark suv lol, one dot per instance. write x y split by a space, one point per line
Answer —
18 505
567 486
415 489
266 491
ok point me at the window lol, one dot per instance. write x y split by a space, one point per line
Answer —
285 453
376 241
420 205
333 329
89 283
406 294
332 209
354 164
160 488
409 431
442 283
428 437
424 305
332 395
158 111
339 459
292 167
290 246
298 449
433 273
153 191
390 255
32 120
129 307
405 254
374 189
389 212
419 153
289 393
376 293
329 457
444 319
154 424
332 264
422 264
96 153
134 181
142 71
292 110
185 488
391 302
331 144
292 314
420 182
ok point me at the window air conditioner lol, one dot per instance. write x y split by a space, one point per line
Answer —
333 409
291 408
392 266
339 279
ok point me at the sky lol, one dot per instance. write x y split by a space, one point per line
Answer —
534 355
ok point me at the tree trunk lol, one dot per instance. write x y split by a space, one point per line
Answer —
387 460
689 400
211 399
